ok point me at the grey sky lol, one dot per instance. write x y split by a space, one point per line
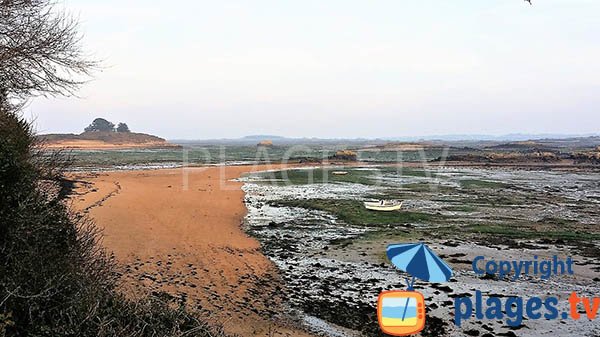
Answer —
336 68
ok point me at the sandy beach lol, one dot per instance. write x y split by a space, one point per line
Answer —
177 234
184 242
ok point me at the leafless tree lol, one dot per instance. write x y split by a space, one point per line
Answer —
40 52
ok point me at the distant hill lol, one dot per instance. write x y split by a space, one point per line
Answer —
455 140
104 140
567 144
261 137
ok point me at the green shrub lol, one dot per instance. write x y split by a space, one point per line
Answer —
55 279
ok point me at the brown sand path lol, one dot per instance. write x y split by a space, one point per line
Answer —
186 244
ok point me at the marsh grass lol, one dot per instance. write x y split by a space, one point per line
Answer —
478 183
318 176
374 176
353 212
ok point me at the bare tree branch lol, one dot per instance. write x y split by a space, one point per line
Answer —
40 51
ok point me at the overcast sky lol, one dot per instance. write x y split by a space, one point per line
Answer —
336 68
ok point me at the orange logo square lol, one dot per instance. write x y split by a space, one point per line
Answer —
401 313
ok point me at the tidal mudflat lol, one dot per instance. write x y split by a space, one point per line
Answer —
331 251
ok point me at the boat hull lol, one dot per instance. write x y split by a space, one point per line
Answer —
385 207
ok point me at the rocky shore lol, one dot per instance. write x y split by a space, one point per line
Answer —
334 270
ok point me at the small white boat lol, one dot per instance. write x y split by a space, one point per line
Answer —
339 173
383 205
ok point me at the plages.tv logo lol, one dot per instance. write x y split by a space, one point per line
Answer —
402 312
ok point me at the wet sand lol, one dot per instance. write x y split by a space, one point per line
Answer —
183 241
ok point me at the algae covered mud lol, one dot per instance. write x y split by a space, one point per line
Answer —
331 251
230 154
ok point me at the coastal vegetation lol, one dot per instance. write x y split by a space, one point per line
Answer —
55 277
316 176
353 212
107 137
102 133
439 205
371 176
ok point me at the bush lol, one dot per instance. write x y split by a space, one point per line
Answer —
122 127
100 125
55 279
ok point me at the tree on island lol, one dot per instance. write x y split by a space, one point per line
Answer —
100 125
122 127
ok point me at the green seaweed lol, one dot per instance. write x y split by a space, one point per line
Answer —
353 212
478 183
319 176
